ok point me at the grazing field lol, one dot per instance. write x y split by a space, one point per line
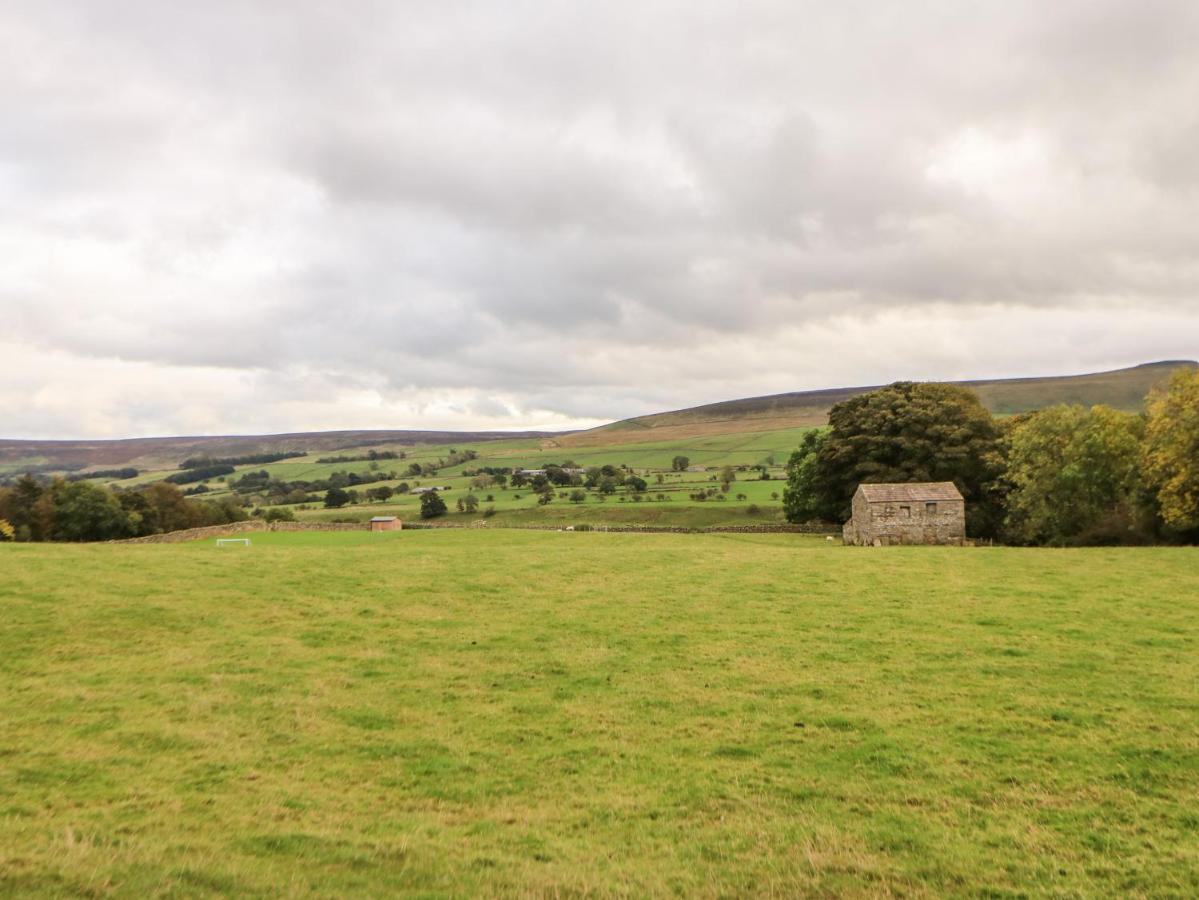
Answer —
472 712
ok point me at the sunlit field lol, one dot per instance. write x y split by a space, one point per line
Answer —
472 712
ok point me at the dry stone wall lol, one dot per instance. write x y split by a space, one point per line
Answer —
235 528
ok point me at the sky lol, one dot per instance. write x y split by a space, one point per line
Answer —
257 217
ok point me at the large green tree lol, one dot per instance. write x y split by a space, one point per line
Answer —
1172 449
1075 476
911 432
801 496
431 505
85 512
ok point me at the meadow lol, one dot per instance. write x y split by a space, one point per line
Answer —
667 502
445 713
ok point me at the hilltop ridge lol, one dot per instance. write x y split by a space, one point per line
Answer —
1124 389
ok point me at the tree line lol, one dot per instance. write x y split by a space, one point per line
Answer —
1064 475
252 459
81 511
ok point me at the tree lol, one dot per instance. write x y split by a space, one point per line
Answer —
1172 449
278 514
914 432
85 512
801 496
19 505
635 484
471 502
727 475
171 509
1075 476
431 505
335 498
679 464
7 532
578 496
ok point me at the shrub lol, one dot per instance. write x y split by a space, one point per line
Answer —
752 510
7 532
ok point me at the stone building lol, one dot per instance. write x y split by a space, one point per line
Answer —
925 513
386 523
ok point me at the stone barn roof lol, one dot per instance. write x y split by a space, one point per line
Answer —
916 493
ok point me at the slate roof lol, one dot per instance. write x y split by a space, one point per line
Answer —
917 493
383 518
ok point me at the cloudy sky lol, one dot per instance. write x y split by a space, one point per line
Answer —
255 217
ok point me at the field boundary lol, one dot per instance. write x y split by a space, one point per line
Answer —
648 529
194 534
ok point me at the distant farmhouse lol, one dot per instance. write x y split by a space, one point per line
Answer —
430 490
926 513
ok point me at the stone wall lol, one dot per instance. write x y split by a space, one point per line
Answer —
883 523
234 528
640 529
253 525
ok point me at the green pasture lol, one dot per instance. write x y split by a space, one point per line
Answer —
483 713
520 505
747 449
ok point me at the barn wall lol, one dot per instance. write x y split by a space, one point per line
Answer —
946 526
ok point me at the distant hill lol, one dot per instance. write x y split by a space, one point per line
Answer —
167 452
1123 389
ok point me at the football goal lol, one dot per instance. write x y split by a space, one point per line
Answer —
223 542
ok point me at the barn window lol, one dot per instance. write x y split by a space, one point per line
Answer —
930 509
905 512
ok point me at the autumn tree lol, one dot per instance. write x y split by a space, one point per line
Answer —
1172 449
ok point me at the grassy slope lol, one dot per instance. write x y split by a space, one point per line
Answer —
656 437
500 713
1123 389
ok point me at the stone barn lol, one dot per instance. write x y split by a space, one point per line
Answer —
386 523
925 513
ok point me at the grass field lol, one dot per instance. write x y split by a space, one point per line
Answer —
464 712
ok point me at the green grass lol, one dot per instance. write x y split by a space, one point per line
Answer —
516 713
520 506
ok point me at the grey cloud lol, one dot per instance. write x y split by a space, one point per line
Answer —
579 209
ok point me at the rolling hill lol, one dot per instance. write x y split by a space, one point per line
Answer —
166 452
1123 389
